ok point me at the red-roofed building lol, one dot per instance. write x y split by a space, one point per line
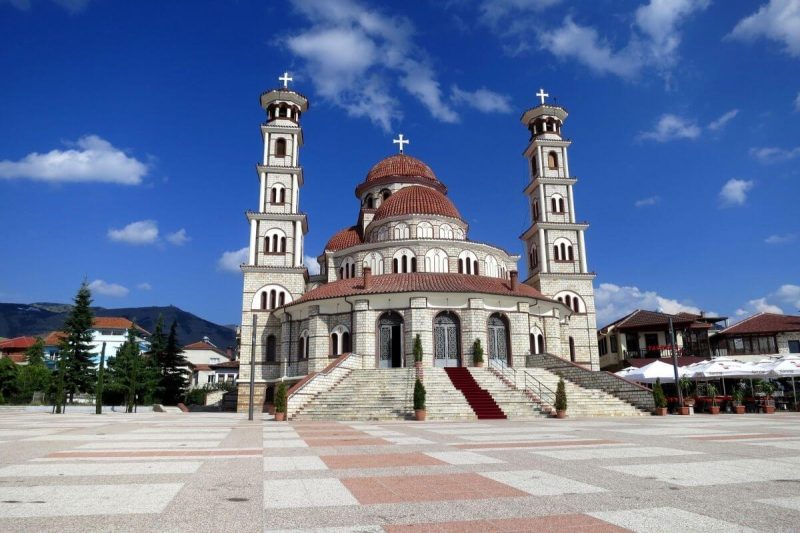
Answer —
407 266
202 355
759 336
15 348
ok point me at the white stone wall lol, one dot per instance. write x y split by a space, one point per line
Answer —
784 338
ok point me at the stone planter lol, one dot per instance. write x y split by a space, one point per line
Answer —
280 417
738 409
684 410
714 410
561 414
768 409
661 411
479 364
420 414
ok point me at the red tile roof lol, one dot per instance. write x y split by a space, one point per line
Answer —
225 364
419 282
764 323
641 318
54 338
17 344
417 200
400 165
115 322
344 239
202 345
199 366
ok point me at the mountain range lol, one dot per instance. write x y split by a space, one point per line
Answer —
35 319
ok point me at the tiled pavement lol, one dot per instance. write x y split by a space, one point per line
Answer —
219 472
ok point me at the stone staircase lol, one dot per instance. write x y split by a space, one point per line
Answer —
479 399
364 394
515 404
582 401
442 400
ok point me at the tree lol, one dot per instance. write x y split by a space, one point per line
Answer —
173 369
153 359
280 398
8 379
78 366
561 396
35 376
419 395
477 352
658 395
417 349
127 371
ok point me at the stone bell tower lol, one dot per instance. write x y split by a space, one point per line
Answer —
274 274
554 242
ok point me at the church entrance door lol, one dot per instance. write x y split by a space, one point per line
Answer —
498 338
445 340
390 339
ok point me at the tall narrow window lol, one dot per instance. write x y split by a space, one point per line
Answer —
264 300
345 342
280 148
273 299
274 195
281 298
271 348
301 348
334 344
283 244
570 253
556 254
561 206
572 349
552 161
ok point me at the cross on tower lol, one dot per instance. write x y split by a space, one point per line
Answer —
541 94
285 79
401 141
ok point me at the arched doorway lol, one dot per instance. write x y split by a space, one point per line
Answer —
390 340
498 338
446 340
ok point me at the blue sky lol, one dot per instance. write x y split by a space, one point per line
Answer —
130 135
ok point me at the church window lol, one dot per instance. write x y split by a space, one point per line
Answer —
271 349
404 262
335 343
303 345
280 148
534 256
275 242
340 340
270 296
383 233
394 266
467 263
273 299
561 206
263 300
572 349
492 269
347 269
540 343
563 250
283 245
281 299
278 194
536 210
386 193
370 202
552 161
345 342
445 231
570 253
401 231
374 260
458 233
424 230
436 261
534 166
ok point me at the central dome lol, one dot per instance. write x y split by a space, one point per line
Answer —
417 200
400 165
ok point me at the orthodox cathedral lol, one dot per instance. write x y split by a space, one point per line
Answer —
407 267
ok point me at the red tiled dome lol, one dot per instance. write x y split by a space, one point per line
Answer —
417 200
344 239
400 165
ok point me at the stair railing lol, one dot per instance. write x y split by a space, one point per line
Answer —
527 383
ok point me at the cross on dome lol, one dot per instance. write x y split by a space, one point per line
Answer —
401 141
285 79
541 94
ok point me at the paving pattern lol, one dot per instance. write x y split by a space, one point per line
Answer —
219 472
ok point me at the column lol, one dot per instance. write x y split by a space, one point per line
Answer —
253 235
262 193
295 163
295 193
582 244
542 203
571 204
539 160
298 236
566 163
542 251
266 148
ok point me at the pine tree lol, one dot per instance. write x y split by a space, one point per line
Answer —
8 379
127 370
78 366
155 358
174 369
35 376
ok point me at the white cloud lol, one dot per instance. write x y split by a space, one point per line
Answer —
231 261
773 154
73 6
92 160
670 127
723 120
734 192
492 12
614 302
759 305
178 238
99 286
482 99
144 286
651 200
780 239
778 20
659 21
311 264
356 54
789 294
141 232
797 102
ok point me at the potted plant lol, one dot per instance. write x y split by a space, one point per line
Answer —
688 402
711 390
477 353
419 401
767 388
561 399
738 399
659 399
280 402
417 351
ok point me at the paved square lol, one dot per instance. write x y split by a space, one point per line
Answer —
214 471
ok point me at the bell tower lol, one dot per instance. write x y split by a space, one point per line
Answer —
274 274
554 243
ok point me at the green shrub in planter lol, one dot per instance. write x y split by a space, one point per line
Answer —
419 395
417 349
561 396
658 395
280 398
477 352
196 397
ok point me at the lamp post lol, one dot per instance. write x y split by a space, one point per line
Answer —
98 401
675 361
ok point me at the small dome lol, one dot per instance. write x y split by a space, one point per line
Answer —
400 165
344 239
417 200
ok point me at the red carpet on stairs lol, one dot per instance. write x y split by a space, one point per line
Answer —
479 399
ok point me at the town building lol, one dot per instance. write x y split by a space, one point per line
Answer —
406 267
203 356
759 336
15 349
647 335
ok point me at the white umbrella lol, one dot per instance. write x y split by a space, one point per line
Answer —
626 371
653 371
786 367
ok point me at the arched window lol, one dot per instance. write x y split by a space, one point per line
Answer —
270 296
383 233
552 161
347 269
563 250
280 147
374 260
263 300
340 340
492 269
424 230
572 300
467 263
270 349
561 208
303 345
458 233
498 346
334 344
346 342
278 194
572 349
445 231
537 340
369 202
540 343
536 210
275 242
273 299
385 194
404 261
436 260
534 256
401 231
446 340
